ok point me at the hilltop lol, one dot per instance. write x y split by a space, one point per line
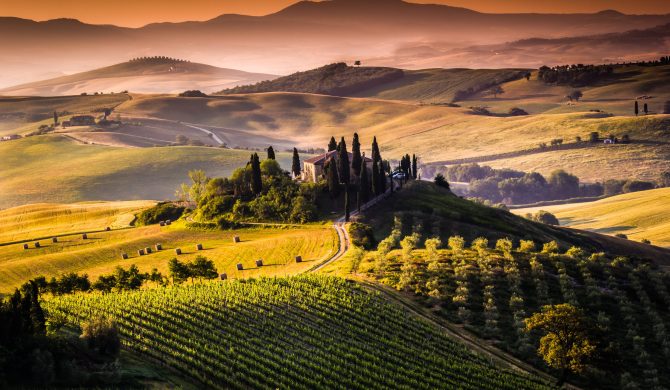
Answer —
143 75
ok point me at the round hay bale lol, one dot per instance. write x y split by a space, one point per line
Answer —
140 252
259 263
159 247
240 267
108 229
168 222
124 256
84 236
236 239
298 259
147 250
25 246
224 276
162 223
54 240
37 244
199 247
177 251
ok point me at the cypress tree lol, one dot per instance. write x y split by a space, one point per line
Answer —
356 155
36 312
383 168
256 180
332 145
375 178
637 108
414 167
343 163
295 167
364 184
271 153
55 118
333 178
376 156
346 205
646 109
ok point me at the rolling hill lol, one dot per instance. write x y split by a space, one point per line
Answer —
56 169
639 215
143 75
302 36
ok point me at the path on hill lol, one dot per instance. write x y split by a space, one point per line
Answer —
209 133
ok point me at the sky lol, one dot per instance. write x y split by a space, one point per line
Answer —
136 13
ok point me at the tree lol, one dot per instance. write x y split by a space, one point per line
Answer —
384 168
332 145
346 205
646 109
565 345
199 181
594 137
333 178
356 155
637 108
178 271
575 95
665 179
376 156
527 76
295 167
496 90
440 181
271 153
55 118
256 179
343 163
364 184
414 167
101 335
666 109
202 268
563 184
375 178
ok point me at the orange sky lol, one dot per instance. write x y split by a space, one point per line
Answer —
135 13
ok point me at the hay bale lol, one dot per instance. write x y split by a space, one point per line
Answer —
84 236
236 239
259 263
298 259
162 223
158 247
140 252
240 267
168 222
223 276
124 256
25 246
147 250
108 229
54 240
199 247
37 244
177 251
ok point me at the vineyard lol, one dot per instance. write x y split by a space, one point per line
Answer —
302 332
490 292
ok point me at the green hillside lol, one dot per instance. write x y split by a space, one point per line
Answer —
302 332
55 169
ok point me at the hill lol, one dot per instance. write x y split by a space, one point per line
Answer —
429 85
143 75
299 332
37 171
639 215
440 213
302 36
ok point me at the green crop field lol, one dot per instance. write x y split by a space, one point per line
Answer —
56 169
301 332
101 252
638 215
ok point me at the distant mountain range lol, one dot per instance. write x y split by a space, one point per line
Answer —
302 36
145 75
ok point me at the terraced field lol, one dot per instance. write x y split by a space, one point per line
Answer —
306 332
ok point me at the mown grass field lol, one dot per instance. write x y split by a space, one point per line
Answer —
639 215
56 169
45 220
101 252
306 332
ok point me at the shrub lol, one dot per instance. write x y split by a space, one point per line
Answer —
527 246
637 185
575 252
621 235
645 241
361 235
504 245
546 218
517 112
102 336
550 247
480 244
192 93
456 244
160 212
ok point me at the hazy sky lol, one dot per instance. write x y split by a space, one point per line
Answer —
140 12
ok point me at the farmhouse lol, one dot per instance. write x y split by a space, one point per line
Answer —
312 170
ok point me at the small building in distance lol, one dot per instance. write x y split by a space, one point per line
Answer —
80 120
312 168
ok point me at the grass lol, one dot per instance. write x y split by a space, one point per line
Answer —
305 332
55 169
101 252
45 220
639 215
